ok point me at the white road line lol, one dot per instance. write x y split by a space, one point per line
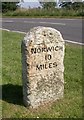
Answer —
8 21
29 22
69 41
69 19
18 32
44 22
53 23
13 31
4 29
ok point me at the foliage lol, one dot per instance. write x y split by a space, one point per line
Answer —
72 5
78 5
36 12
9 6
65 5
48 5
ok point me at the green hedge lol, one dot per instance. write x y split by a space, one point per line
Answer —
44 12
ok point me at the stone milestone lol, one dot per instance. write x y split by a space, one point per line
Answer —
42 66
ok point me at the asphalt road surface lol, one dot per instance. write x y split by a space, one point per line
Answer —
71 29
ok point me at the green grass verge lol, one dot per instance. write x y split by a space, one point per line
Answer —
0 15
68 107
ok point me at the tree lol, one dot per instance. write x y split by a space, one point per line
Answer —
47 5
10 6
66 5
72 5
78 5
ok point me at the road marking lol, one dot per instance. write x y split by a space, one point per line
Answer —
4 29
8 21
29 22
69 41
19 32
45 22
13 31
69 19
53 23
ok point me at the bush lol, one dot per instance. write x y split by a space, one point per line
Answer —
44 13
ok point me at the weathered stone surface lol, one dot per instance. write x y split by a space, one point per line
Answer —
42 66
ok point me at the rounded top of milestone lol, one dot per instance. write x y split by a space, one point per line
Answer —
40 34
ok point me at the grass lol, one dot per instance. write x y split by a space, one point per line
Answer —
12 103
0 15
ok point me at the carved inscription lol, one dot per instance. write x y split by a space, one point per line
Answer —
47 57
46 66
45 49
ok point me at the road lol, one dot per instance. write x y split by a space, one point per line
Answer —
71 29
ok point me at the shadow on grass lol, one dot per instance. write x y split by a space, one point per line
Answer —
12 94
